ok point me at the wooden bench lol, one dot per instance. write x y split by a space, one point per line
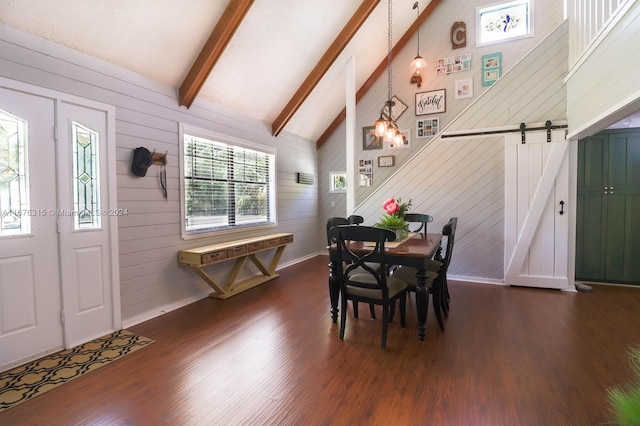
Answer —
241 250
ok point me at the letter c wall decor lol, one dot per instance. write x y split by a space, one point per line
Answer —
458 35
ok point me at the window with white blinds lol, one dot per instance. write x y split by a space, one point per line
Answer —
226 184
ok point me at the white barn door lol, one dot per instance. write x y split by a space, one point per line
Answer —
536 211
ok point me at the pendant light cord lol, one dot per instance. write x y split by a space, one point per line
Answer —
416 6
389 56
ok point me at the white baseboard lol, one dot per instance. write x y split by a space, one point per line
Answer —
475 280
189 300
163 310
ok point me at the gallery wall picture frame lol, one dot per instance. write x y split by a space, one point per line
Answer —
370 140
464 88
432 102
365 172
504 21
397 109
491 68
406 141
427 127
338 181
452 64
386 161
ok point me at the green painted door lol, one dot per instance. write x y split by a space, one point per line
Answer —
608 214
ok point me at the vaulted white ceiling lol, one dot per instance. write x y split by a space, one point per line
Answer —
276 46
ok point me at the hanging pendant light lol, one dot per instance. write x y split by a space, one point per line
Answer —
418 65
398 139
381 126
384 126
390 134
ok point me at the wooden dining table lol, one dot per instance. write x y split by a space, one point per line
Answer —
415 251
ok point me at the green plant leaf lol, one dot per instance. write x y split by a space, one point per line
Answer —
625 401
625 405
392 222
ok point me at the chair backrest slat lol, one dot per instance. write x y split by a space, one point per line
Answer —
355 219
420 218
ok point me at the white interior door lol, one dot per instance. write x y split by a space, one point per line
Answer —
86 220
536 210
30 323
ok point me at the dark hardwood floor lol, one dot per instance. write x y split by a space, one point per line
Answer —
271 355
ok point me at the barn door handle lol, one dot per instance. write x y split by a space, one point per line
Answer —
561 207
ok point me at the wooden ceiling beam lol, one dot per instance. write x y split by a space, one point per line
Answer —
329 57
379 70
212 50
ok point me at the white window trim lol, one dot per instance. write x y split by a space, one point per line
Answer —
210 134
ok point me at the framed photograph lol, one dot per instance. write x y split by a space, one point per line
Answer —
492 60
406 141
338 181
432 102
427 127
369 138
464 88
452 64
491 68
397 109
503 21
386 161
365 171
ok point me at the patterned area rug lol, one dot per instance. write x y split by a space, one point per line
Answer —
37 377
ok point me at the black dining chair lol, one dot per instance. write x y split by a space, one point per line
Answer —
449 231
337 221
437 275
361 283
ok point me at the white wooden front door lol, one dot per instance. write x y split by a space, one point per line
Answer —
30 323
536 210
59 281
85 245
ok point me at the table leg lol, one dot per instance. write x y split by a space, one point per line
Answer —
422 301
334 290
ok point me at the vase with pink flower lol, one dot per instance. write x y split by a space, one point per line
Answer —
394 219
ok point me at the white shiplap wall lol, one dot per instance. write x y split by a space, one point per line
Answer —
147 115
463 178
597 95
